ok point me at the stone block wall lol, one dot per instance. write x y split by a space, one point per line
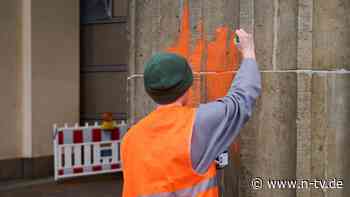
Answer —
300 128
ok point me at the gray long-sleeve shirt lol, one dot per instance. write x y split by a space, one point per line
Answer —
218 123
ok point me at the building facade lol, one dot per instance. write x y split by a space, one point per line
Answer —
61 62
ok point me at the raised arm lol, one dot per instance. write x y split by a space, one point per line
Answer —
218 123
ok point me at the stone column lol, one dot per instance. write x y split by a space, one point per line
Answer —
198 30
269 141
299 128
49 77
10 143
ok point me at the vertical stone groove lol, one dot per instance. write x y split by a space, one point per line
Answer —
275 33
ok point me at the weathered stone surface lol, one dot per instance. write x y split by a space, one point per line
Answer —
331 30
146 23
305 10
264 32
214 16
140 103
303 170
231 175
322 130
299 128
246 15
169 21
274 23
268 141
286 46
131 29
330 130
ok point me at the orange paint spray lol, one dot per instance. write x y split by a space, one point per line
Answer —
221 61
221 58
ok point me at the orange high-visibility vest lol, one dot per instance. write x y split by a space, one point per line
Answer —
156 158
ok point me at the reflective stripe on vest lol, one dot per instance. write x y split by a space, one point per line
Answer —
190 192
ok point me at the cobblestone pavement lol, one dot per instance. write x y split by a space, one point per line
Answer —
94 186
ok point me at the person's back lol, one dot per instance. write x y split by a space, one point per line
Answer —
159 158
171 151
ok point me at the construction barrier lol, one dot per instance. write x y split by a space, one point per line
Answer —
86 150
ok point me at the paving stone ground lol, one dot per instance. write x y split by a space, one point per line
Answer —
94 186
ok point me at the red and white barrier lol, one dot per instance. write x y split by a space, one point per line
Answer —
87 150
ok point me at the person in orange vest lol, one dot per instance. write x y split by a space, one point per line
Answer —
171 152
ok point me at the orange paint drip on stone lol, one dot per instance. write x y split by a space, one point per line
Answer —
182 45
196 56
217 51
195 60
221 57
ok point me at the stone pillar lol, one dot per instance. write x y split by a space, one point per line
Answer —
323 48
50 65
10 143
55 68
269 141
331 29
49 78
196 29
157 25
299 128
40 81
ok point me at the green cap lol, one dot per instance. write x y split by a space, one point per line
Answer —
167 77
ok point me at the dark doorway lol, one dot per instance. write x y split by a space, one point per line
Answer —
104 58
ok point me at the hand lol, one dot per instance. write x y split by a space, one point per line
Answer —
246 44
